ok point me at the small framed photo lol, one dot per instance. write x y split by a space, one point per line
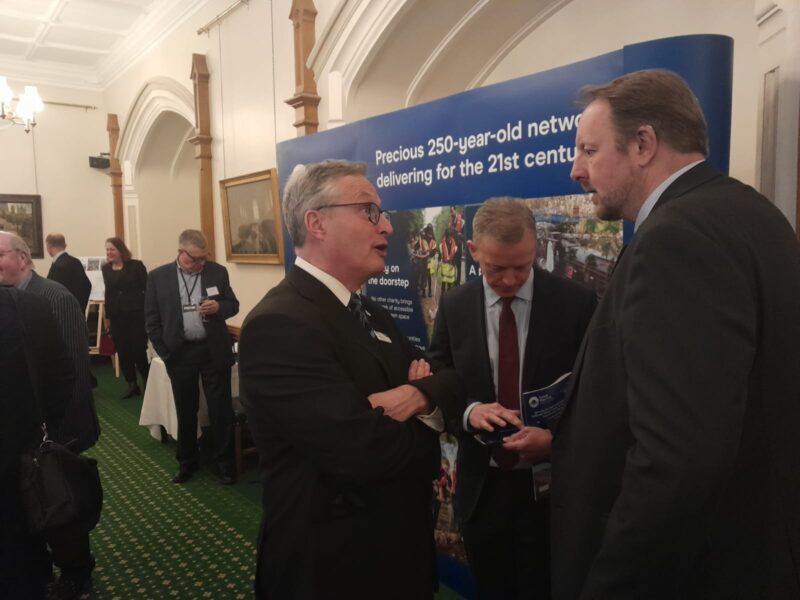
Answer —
251 213
22 214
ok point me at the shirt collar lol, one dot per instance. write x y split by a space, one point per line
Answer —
523 293
57 256
648 205
336 287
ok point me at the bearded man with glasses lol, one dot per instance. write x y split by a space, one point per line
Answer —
186 304
342 408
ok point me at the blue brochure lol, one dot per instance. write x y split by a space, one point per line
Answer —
540 408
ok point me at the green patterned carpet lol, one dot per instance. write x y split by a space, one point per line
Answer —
159 540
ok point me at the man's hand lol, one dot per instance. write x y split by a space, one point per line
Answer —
419 369
489 416
208 307
400 403
532 444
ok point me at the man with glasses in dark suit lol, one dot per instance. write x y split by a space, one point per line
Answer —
186 305
342 409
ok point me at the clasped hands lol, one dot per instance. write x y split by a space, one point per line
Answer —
531 443
404 401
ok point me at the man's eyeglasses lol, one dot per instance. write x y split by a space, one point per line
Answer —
373 211
196 260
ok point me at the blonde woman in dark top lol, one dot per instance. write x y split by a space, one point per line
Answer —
125 279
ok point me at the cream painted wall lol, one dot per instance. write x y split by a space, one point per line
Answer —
580 30
168 188
251 85
53 161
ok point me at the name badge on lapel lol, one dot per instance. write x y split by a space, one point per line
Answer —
382 337
212 291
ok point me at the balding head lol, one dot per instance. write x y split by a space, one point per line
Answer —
15 258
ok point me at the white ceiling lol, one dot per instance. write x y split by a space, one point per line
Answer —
82 43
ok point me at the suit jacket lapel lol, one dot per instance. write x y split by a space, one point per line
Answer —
174 296
693 178
476 305
336 314
696 176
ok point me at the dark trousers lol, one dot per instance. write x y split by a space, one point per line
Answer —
193 362
25 567
130 341
71 553
507 539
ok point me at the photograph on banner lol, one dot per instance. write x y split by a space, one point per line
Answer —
446 534
573 243
431 246
437 249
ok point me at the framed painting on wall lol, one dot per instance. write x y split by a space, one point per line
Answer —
22 214
251 215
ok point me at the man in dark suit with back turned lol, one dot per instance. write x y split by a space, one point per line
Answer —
341 410
186 304
505 528
67 270
676 462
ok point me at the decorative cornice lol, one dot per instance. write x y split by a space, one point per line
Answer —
47 73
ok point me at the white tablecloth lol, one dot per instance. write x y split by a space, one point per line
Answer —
158 405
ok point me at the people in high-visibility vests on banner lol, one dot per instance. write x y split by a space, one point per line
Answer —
448 249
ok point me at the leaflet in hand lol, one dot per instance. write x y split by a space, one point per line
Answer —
540 408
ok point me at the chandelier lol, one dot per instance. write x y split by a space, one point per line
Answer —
26 108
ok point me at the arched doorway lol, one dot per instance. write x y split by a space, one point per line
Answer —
160 184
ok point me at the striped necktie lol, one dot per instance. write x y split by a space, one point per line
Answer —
356 306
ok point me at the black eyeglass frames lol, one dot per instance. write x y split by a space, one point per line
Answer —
374 211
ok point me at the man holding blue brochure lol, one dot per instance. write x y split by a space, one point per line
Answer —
531 325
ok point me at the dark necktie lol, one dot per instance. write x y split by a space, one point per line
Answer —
507 375
356 306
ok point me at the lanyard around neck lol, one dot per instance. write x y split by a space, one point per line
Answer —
186 286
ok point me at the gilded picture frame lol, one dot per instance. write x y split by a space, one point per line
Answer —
251 214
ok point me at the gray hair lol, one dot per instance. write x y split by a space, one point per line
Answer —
20 245
192 237
308 187
505 219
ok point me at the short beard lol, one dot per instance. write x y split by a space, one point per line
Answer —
611 206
